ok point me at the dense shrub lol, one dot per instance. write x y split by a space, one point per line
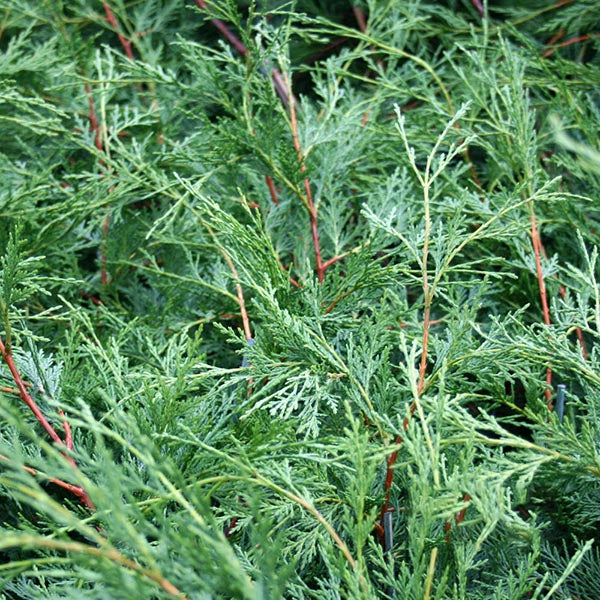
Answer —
299 299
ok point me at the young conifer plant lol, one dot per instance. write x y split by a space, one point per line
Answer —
299 299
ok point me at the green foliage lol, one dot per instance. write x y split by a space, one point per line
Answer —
262 296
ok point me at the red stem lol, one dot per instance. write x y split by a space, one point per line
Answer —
93 119
74 489
9 390
537 249
110 17
459 518
332 261
272 189
312 210
359 15
230 37
103 257
24 394
68 433
563 294
276 77
569 42
240 297
423 362
477 4
26 397
389 478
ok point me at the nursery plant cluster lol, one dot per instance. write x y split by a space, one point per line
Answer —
299 299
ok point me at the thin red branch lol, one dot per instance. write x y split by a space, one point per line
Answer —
537 249
569 42
240 297
281 87
389 478
555 38
579 334
359 15
479 6
458 519
431 322
67 428
563 294
103 257
94 126
9 390
293 281
272 189
110 17
224 30
312 209
333 260
26 397
76 490
425 344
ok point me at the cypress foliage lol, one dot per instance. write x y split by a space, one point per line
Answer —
299 299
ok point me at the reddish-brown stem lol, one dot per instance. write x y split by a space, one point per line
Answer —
389 478
555 39
563 294
431 322
293 281
93 119
110 17
479 6
240 297
76 490
459 518
9 390
312 209
103 257
26 397
425 344
359 15
272 189
537 249
68 433
569 42
224 30
332 261
95 127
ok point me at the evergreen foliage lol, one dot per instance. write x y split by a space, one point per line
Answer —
299 299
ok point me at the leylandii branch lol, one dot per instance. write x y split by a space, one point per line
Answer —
283 88
78 491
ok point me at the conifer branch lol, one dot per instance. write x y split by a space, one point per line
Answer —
26 397
281 86
107 553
